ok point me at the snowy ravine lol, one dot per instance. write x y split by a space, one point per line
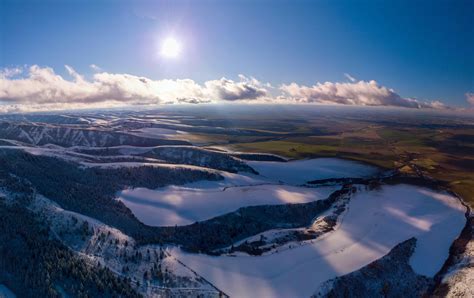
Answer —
277 184
376 221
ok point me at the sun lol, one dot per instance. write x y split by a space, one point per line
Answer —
170 48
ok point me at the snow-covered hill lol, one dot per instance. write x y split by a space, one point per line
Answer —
42 134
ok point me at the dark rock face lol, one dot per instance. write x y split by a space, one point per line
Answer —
390 276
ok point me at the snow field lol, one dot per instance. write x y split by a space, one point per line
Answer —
375 222
301 171
175 205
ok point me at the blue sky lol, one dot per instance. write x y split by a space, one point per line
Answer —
422 49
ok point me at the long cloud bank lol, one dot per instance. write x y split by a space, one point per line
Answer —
360 93
40 88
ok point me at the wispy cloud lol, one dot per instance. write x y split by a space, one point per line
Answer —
349 77
36 88
94 67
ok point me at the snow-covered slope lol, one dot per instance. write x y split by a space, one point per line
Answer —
97 242
199 157
41 134
390 276
458 280
375 222
159 133
302 171
189 155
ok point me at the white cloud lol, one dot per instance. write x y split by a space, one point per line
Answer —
349 77
77 77
43 85
94 67
470 98
246 89
352 93
192 100
40 88
10 72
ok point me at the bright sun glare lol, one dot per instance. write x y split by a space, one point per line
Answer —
170 48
